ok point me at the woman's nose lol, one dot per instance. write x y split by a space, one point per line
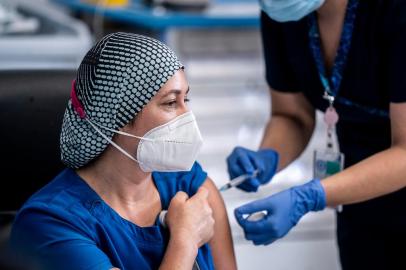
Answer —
184 108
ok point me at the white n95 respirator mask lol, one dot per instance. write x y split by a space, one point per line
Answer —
170 147
289 10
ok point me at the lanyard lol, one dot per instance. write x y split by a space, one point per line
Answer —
332 84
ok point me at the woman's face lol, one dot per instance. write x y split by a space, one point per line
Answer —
170 102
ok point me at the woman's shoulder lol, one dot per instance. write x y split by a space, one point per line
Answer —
54 213
169 183
64 191
55 219
64 199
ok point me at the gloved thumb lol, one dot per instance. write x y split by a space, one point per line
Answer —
243 211
250 185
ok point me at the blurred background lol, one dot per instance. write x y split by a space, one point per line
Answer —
41 45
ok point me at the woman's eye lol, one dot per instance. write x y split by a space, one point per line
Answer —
171 103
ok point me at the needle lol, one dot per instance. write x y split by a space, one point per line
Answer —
238 180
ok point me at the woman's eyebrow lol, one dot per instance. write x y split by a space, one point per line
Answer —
176 92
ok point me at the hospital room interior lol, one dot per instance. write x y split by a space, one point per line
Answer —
42 44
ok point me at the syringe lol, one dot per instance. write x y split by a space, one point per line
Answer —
238 181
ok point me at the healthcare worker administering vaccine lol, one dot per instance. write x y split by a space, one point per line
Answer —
129 142
346 58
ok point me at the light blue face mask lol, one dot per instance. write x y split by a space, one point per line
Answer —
289 10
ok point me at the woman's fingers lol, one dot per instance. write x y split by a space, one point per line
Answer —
191 218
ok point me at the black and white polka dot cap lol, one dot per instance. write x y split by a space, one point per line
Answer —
115 80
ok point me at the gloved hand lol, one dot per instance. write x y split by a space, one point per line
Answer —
244 161
284 210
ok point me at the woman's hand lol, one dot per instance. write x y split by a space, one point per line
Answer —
190 220
191 225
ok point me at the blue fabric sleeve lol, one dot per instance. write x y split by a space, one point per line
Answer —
192 180
169 184
55 243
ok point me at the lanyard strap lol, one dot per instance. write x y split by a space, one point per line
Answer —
332 85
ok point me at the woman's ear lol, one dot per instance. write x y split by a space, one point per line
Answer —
129 127
131 124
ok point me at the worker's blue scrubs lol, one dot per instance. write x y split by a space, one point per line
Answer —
66 225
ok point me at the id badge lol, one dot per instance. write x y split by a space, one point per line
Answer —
327 163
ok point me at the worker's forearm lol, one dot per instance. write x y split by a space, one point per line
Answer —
288 137
380 174
180 255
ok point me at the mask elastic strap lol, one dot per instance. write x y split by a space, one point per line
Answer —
77 106
121 132
110 141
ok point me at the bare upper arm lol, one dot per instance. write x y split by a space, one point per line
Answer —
398 124
221 244
293 105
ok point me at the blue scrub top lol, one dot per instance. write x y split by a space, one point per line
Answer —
66 225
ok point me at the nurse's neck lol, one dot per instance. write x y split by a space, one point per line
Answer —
330 18
332 9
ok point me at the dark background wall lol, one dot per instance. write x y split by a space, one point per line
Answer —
32 104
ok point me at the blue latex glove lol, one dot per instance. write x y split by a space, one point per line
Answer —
284 210
244 161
